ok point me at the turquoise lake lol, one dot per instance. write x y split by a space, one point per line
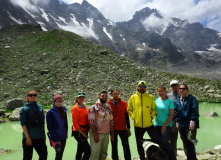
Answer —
208 136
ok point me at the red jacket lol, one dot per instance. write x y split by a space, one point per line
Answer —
119 113
79 117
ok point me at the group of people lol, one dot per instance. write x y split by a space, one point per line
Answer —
162 119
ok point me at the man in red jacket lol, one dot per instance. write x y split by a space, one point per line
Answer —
121 124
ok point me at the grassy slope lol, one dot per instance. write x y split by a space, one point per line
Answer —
75 64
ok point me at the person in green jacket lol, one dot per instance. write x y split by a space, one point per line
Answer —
142 110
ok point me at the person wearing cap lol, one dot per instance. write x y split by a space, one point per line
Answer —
174 95
57 125
121 125
187 118
81 127
142 110
101 122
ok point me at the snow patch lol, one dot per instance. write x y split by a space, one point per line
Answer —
44 15
109 35
74 20
42 25
14 19
122 37
219 34
62 19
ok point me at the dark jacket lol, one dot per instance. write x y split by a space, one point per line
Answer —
57 127
186 112
26 113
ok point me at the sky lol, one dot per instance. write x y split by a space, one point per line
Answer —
207 12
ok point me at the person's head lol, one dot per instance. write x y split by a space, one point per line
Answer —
115 94
162 92
183 89
142 86
57 99
174 84
80 98
31 96
103 97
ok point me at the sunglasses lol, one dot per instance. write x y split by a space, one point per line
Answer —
58 101
182 88
32 95
142 86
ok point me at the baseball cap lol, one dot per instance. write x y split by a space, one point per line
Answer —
81 94
56 97
142 82
174 82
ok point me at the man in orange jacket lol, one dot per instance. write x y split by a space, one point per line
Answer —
121 125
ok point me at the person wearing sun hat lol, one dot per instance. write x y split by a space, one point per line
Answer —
142 110
81 127
57 126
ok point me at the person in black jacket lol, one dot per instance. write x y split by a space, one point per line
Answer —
57 126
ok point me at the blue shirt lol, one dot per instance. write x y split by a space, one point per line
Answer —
163 111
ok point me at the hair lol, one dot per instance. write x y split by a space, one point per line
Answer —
155 153
115 90
29 92
105 92
162 87
185 85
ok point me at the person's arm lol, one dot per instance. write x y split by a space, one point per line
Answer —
50 120
28 139
81 132
130 108
91 119
163 129
176 115
194 113
153 109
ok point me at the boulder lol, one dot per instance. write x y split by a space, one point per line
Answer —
14 103
2 112
15 115
211 114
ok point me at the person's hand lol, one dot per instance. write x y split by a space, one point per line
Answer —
129 132
96 138
28 141
178 127
112 138
191 128
85 135
163 129
59 142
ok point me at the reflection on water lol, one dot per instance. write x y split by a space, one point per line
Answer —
208 136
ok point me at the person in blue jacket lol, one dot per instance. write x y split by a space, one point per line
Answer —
57 126
33 125
187 118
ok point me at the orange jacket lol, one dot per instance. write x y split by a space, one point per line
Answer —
79 117
119 114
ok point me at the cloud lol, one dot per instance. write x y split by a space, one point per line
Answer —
193 10
29 4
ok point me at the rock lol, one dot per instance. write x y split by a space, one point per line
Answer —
7 47
217 96
4 151
2 121
14 103
103 53
44 72
211 114
2 112
211 91
15 115
6 115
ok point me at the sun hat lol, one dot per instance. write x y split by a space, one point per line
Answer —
191 136
142 82
174 82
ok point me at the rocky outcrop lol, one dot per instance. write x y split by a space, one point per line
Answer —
14 103
210 114
2 121
15 115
